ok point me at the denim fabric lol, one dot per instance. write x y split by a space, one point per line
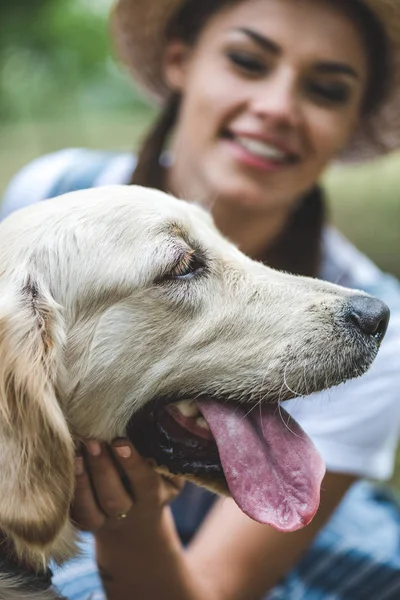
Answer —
355 557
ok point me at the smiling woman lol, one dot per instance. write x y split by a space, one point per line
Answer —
238 77
260 61
257 98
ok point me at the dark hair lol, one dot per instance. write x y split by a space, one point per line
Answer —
149 170
298 248
376 44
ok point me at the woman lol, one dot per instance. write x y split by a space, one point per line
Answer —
259 96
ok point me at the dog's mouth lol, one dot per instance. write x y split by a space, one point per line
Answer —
176 436
257 453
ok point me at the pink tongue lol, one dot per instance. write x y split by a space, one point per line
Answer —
272 468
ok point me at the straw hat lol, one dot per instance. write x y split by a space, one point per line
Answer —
139 26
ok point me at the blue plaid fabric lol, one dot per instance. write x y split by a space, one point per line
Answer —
357 554
355 557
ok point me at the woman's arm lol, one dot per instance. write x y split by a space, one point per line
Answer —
242 559
140 556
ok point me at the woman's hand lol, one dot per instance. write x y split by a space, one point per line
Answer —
117 489
122 500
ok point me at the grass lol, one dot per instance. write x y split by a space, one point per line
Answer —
364 200
365 205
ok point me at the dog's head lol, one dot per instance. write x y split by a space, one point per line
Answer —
124 312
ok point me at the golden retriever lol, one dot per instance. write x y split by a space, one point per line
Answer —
123 311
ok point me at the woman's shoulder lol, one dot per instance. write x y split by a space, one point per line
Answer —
65 171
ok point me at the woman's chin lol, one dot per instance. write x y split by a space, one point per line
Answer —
248 198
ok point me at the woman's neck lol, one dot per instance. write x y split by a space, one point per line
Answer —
252 231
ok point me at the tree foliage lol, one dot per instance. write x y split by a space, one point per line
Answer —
55 56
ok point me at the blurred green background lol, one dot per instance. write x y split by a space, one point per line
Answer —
60 87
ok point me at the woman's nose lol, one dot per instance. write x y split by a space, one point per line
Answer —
277 101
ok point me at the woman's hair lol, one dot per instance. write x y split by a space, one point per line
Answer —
298 248
149 170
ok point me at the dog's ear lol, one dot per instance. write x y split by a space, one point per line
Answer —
36 448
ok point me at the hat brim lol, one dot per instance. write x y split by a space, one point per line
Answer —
138 28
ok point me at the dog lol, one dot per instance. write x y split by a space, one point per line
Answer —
123 311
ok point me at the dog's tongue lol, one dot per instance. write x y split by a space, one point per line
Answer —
271 466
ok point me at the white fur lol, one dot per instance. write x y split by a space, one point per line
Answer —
89 333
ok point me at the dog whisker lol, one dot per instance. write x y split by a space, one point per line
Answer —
287 385
286 423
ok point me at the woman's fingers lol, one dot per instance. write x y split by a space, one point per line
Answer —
114 482
84 511
142 478
112 497
173 485
150 489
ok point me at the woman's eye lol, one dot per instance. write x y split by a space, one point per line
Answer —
190 266
329 93
247 62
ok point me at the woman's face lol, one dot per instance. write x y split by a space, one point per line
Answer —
271 93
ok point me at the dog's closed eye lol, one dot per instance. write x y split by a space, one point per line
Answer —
189 265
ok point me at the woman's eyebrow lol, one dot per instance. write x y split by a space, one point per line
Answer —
260 40
325 68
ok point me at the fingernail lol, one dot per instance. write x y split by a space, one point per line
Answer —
93 448
123 451
79 466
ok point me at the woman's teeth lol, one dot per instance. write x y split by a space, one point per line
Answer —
188 409
263 149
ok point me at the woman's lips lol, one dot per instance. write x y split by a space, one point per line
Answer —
259 154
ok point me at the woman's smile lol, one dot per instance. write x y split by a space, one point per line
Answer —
258 152
271 92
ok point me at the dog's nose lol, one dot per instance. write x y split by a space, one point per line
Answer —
370 315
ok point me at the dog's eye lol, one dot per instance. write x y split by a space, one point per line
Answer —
188 267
